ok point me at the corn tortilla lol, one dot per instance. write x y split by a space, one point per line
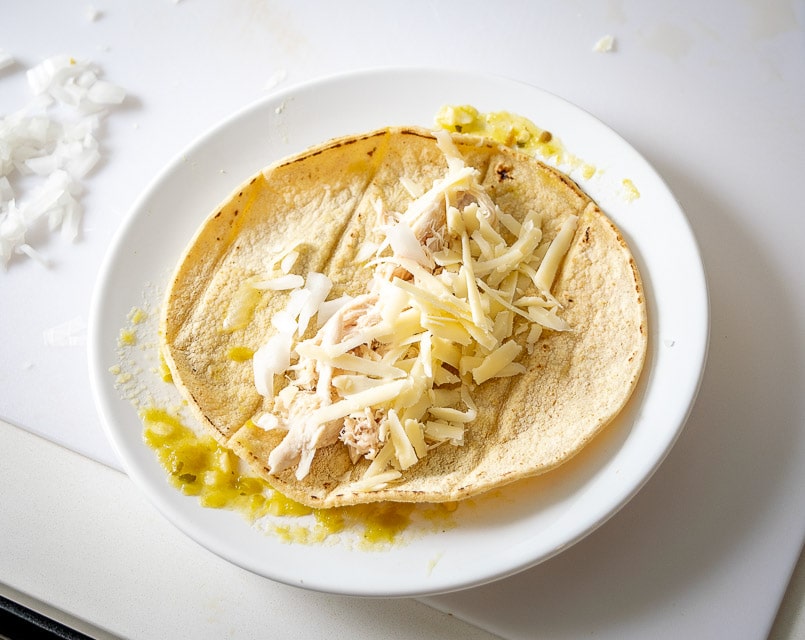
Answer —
323 201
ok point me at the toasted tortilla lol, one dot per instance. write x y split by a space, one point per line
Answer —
323 200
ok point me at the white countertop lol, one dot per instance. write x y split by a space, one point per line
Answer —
711 94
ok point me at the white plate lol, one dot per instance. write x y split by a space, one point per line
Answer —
509 530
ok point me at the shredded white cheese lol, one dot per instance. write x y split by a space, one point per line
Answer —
391 373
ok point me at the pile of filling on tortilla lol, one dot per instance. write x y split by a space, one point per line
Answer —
405 315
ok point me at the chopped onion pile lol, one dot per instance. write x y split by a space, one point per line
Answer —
51 143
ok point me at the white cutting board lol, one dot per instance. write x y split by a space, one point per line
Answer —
712 95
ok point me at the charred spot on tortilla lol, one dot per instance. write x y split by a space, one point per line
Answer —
503 172
400 293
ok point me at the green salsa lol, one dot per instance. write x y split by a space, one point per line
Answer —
200 466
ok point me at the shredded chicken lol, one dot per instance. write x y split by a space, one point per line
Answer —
304 435
429 226
361 434
313 385
358 314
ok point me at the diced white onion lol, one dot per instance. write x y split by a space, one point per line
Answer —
366 251
6 60
273 358
92 14
286 321
6 190
405 244
605 44
318 287
53 138
288 261
102 92
328 308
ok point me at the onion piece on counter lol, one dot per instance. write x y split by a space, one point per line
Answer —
6 60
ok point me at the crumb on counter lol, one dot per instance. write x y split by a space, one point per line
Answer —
605 44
